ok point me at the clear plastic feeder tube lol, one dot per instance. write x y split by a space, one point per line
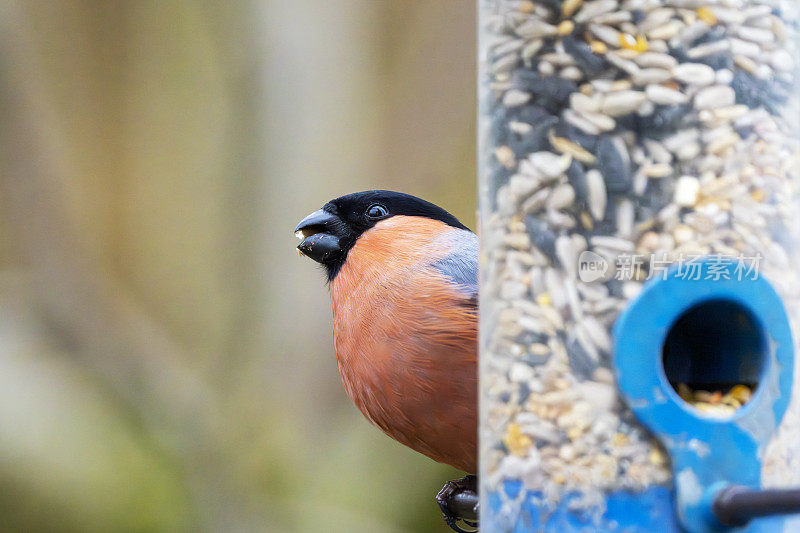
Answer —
621 143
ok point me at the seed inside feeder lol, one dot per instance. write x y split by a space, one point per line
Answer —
714 355
620 129
637 44
715 402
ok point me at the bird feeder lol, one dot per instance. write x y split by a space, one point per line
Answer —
640 269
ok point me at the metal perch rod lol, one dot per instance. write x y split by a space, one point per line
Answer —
737 505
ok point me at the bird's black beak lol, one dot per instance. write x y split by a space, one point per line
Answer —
317 240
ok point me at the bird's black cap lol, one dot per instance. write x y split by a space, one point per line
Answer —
329 234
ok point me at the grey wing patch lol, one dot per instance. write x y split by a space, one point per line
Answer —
461 262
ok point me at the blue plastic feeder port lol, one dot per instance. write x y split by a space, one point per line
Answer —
715 345
710 333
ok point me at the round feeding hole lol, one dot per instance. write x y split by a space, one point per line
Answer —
714 355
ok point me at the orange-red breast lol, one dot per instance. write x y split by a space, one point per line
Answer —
403 284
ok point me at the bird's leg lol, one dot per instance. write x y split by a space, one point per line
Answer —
458 501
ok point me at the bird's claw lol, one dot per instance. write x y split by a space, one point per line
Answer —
465 490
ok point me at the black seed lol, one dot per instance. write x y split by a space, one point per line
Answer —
581 52
532 114
498 128
578 136
505 397
490 102
779 90
613 166
535 140
679 53
646 212
717 61
608 225
548 48
714 34
627 122
615 288
541 235
747 89
581 363
534 360
529 337
524 392
553 5
754 92
664 120
549 92
577 178
498 176
743 131
656 195
638 15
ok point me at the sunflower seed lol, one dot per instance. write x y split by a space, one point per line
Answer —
657 17
585 104
565 146
658 94
655 60
550 164
621 63
714 97
579 121
666 31
650 75
782 60
561 197
622 102
693 73
513 98
607 34
594 9
535 28
708 49
756 35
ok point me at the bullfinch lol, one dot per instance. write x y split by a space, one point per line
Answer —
403 277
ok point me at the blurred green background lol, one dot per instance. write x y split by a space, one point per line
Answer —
165 356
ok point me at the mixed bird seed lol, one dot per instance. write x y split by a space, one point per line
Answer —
646 128
715 403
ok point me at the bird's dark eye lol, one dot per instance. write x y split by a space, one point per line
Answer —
376 211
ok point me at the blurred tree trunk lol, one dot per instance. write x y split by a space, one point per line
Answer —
116 196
